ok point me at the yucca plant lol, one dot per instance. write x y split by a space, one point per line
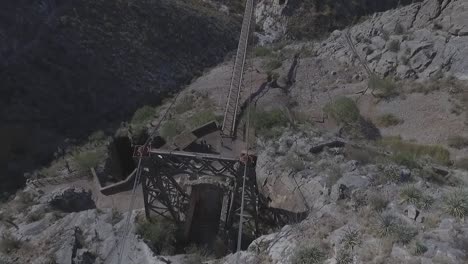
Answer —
351 239
456 203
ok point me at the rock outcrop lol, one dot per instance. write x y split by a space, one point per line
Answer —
72 200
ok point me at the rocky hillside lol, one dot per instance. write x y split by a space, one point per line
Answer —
69 68
365 130
309 19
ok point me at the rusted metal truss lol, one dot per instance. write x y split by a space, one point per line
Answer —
164 176
166 171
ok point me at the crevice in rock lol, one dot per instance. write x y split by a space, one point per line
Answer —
418 8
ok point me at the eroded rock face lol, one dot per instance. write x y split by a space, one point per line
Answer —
72 200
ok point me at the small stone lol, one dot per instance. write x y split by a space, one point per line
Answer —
405 175
412 212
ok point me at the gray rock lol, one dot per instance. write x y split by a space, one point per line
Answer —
84 256
378 42
412 212
72 200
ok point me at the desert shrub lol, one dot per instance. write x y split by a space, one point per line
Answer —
267 123
405 234
201 118
25 198
143 114
419 248
184 104
308 255
407 151
405 159
262 51
394 45
462 163
9 243
391 226
412 195
88 158
116 216
344 257
97 136
294 163
386 87
171 128
351 239
35 216
344 110
456 203
388 120
160 235
197 255
457 142
377 202
273 64
362 155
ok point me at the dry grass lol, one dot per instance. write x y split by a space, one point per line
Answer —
388 120
457 142
9 243
456 203
413 151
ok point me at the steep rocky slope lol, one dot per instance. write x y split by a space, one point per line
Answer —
69 68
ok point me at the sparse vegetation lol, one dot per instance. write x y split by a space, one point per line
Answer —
456 203
462 163
35 216
201 118
344 257
377 202
344 110
419 248
9 243
197 254
386 87
457 142
87 159
351 239
184 104
171 128
143 115
362 155
273 64
391 226
262 51
308 255
269 124
388 120
405 159
97 136
412 195
294 163
394 45
116 216
407 152
160 235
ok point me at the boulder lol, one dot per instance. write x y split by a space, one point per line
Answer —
72 200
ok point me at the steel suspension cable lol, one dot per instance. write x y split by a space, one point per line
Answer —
126 229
